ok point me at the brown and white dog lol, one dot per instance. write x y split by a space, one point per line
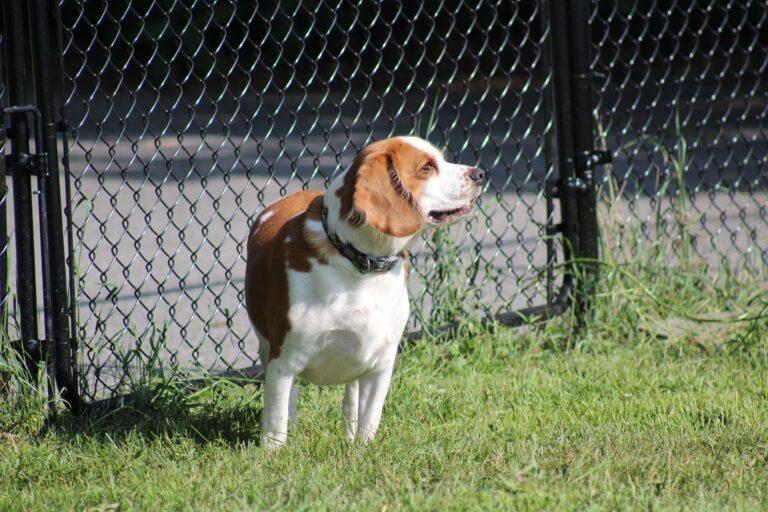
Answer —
325 283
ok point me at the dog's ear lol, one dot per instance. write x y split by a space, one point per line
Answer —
374 194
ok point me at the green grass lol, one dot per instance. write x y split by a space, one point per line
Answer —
640 427
633 417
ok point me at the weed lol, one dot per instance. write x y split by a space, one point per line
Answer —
24 406
144 373
670 175
26 401
451 285
752 340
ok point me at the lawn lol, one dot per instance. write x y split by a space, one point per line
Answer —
659 402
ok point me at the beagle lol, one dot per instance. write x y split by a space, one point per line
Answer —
325 281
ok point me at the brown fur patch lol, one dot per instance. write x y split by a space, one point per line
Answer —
275 245
346 192
382 186
318 241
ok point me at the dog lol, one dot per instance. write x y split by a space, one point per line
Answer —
325 281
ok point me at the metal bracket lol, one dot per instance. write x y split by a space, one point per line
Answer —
600 157
576 184
36 163
572 184
590 159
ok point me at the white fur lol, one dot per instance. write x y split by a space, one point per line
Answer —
422 144
355 322
345 326
449 190
262 217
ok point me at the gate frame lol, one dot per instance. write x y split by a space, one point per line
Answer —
29 49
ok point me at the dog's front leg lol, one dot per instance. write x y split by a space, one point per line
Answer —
349 409
373 392
278 382
293 407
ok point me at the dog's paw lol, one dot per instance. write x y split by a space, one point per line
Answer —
364 435
350 430
273 440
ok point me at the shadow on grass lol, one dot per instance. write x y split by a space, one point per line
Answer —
221 412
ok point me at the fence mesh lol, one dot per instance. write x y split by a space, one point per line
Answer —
187 117
679 91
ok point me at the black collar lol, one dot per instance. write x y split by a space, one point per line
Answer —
363 262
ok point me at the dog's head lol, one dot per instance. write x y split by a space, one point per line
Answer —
399 185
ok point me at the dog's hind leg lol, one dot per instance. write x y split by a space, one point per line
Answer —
349 409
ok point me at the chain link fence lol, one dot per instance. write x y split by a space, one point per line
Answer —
680 100
187 117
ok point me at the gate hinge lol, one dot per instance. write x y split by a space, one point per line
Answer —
573 184
590 159
35 163
600 157
577 184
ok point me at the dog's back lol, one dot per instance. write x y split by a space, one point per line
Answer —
275 241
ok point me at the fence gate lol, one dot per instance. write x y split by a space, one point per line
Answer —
31 75
184 118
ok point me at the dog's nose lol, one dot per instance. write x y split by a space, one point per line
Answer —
477 174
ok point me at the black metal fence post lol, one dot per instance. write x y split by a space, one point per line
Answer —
583 140
18 79
575 141
566 183
31 93
65 369
59 72
57 284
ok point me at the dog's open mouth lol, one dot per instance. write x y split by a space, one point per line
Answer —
441 217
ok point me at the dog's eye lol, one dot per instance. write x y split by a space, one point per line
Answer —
428 168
